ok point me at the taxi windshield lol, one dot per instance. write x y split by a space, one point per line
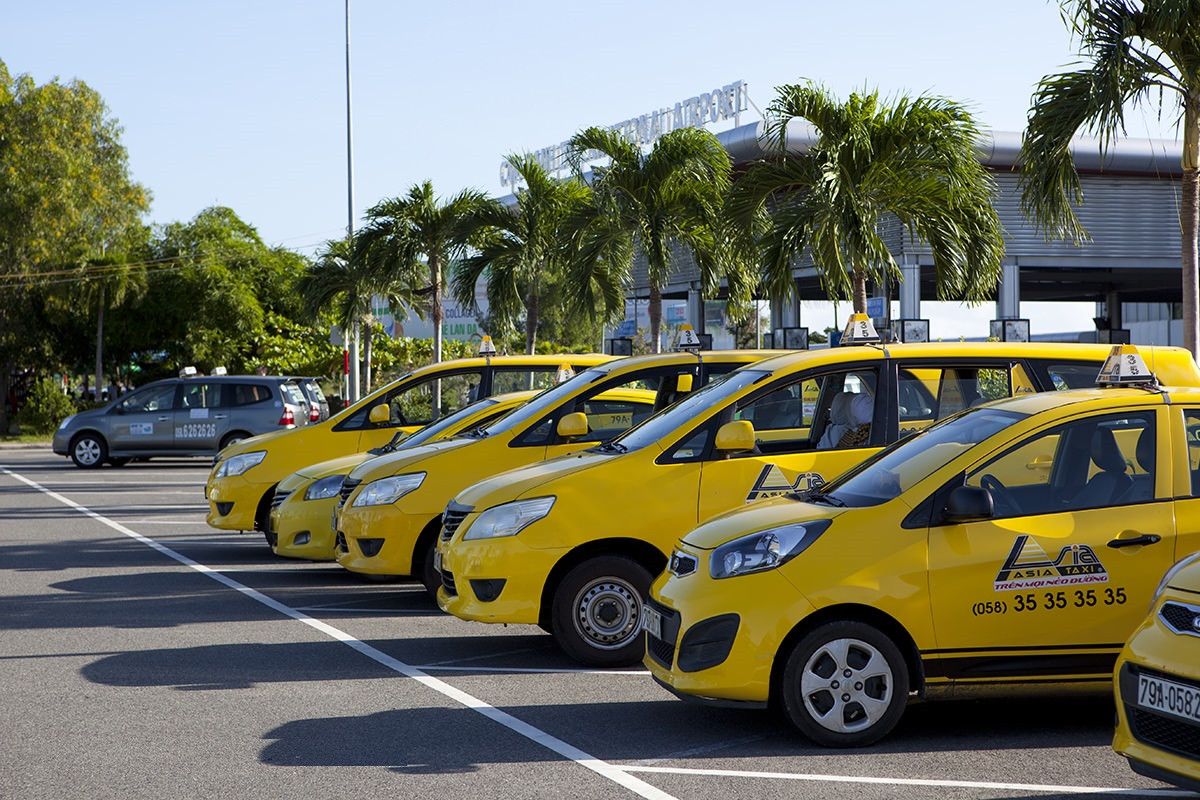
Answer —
895 470
687 409
540 403
436 429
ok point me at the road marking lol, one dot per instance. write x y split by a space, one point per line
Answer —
602 768
488 670
927 783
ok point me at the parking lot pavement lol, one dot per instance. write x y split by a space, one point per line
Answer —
147 655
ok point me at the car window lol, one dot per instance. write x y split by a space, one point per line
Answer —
1094 462
152 398
1068 375
200 395
244 394
294 394
831 411
512 379
928 394
434 398
1191 419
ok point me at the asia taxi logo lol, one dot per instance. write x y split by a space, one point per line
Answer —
771 482
1029 566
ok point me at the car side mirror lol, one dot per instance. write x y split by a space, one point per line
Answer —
683 384
735 437
573 425
969 504
380 414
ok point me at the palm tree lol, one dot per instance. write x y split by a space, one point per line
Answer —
671 196
521 247
336 282
911 159
408 241
1132 54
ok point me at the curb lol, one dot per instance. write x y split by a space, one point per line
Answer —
24 445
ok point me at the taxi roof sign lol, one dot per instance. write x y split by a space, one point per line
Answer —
486 348
859 330
565 373
187 372
687 338
1125 367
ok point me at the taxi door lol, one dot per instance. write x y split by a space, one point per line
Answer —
799 445
1060 576
144 420
200 422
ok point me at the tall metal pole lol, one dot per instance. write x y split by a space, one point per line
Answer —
351 335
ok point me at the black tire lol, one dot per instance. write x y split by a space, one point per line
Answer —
89 450
597 612
845 684
431 579
231 437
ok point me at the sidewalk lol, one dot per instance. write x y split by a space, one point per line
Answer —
25 445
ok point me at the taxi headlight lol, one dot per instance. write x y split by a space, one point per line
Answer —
325 488
236 465
388 490
1170 574
509 519
764 550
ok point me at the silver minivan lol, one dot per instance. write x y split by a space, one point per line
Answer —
187 416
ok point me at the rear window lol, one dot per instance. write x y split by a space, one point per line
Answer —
244 394
294 394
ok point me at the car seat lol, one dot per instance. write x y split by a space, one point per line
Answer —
1112 481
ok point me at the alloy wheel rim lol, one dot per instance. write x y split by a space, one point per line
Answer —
846 686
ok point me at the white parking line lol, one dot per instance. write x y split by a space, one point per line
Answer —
536 735
921 782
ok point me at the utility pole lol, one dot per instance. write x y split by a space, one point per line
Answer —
351 335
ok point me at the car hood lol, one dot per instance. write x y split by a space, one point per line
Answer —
399 462
511 485
256 442
760 516
334 466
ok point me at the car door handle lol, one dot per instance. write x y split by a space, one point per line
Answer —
163 419
1145 538
220 416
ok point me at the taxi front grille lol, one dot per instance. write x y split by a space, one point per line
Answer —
662 650
1163 732
682 564
348 487
339 543
1181 618
452 518
448 583
278 498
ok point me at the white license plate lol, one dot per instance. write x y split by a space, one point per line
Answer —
652 622
1169 697
437 560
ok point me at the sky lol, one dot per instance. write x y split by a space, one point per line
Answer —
243 103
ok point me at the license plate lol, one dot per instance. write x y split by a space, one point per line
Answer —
1169 697
437 560
652 622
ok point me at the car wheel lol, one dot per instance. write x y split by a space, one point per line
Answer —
235 436
597 613
845 684
88 451
430 577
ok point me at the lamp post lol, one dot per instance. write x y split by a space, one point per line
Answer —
351 335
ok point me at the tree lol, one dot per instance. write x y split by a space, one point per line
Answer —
409 241
66 197
339 284
1131 54
911 159
521 248
671 196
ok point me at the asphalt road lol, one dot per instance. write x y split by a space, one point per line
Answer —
145 655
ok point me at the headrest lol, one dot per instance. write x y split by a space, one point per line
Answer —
1105 453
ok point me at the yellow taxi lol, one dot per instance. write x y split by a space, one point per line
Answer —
1015 545
245 474
550 547
391 510
303 503
1157 678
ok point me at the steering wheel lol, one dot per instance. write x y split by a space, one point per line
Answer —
1002 498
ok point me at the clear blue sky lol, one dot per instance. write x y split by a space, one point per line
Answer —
243 103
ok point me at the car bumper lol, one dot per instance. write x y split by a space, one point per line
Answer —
495 580
1159 746
377 540
716 642
233 502
61 443
302 528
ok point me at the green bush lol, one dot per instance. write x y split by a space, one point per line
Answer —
44 408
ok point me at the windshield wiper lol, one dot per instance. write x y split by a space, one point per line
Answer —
818 496
611 447
477 433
